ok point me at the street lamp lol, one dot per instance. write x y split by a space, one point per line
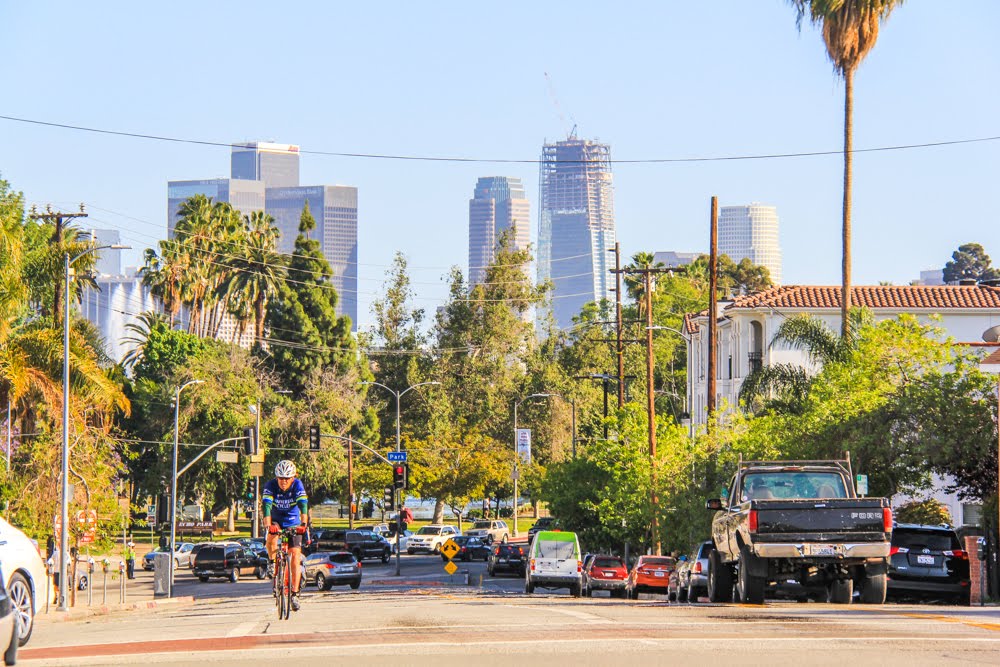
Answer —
398 395
173 485
64 502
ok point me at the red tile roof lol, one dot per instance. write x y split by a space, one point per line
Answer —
879 297
933 298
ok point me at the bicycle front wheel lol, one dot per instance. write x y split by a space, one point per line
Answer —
286 592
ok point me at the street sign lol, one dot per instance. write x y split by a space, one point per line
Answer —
450 567
227 457
449 549
862 485
150 513
257 458
524 444
396 457
257 469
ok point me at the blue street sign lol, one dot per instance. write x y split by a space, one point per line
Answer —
396 457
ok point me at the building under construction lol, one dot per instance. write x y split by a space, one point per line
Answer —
576 226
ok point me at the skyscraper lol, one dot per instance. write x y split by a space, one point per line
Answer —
751 232
246 196
576 225
335 208
498 204
277 165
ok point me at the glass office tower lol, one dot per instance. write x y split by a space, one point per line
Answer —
277 165
498 204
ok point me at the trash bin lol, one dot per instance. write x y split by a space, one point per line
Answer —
161 574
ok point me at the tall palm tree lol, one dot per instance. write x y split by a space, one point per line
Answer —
257 271
850 30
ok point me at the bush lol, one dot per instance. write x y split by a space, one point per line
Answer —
929 512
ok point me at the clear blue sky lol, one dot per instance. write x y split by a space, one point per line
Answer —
654 80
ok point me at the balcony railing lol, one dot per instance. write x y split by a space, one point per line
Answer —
755 359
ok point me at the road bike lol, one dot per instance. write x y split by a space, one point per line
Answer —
282 581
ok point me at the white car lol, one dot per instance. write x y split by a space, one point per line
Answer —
430 538
391 539
26 576
490 531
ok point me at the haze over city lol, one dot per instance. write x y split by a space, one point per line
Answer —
671 81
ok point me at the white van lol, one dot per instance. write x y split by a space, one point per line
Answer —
554 562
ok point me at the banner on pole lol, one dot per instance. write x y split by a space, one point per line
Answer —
524 445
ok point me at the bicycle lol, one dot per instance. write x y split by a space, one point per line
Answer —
282 581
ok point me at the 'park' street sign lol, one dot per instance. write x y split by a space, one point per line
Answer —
396 457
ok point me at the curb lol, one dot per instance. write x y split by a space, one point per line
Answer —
75 614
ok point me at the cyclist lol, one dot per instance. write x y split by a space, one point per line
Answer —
286 506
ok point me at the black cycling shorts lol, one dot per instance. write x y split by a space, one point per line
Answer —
295 540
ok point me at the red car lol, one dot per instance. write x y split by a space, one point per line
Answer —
651 574
607 573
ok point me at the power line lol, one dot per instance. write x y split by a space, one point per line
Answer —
474 160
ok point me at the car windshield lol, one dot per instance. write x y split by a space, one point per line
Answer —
793 485
935 540
482 524
429 530
607 562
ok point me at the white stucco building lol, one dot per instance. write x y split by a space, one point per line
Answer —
747 325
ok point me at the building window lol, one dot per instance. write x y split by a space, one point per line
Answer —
972 514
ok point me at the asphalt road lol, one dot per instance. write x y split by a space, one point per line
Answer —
411 621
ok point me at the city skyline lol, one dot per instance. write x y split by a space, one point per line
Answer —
763 89
498 205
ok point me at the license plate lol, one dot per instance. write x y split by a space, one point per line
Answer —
925 560
821 550
658 573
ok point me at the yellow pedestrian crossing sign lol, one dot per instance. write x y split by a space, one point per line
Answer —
449 549
450 567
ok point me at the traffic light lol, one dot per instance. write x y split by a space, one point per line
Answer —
398 476
250 489
250 440
389 497
314 437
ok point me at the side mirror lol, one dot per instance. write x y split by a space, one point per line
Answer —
713 504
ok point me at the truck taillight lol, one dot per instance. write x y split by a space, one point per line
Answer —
752 521
697 567
887 519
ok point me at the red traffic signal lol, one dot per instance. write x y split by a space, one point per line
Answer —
399 476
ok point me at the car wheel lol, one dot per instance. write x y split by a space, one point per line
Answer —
437 549
320 581
505 538
840 592
355 584
576 590
682 594
529 587
749 586
409 551
385 556
692 593
23 601
203 580
873 589
234 575
261 572
489 540
720 579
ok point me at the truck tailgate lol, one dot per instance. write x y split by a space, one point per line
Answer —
861 519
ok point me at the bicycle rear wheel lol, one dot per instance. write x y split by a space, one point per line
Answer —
286 590
279 576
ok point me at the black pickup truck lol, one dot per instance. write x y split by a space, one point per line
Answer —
800 521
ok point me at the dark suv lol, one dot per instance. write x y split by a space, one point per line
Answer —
228 560
506 558
362 543
928 561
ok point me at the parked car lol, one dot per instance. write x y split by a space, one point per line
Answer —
605 573
430 538
326 569
395 540
506 558
675 592
362 543
182 557
24 577
651 574
470 548
230 561
928 562
693 578
554 562
490 531
8 625
543 523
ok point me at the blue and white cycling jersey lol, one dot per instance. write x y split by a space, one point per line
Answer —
284 505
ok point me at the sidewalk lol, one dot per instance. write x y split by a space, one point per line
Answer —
96 601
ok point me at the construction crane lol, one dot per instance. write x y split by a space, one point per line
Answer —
555 102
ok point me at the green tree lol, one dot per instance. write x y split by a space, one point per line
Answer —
306 333
928 512
850 30
969 262
256 272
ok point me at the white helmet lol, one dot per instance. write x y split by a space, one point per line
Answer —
284 469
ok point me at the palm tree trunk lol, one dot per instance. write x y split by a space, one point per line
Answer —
259 319
845 290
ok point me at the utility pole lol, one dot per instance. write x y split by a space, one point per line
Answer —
59 218
651 407
713 286
350 482
620 348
